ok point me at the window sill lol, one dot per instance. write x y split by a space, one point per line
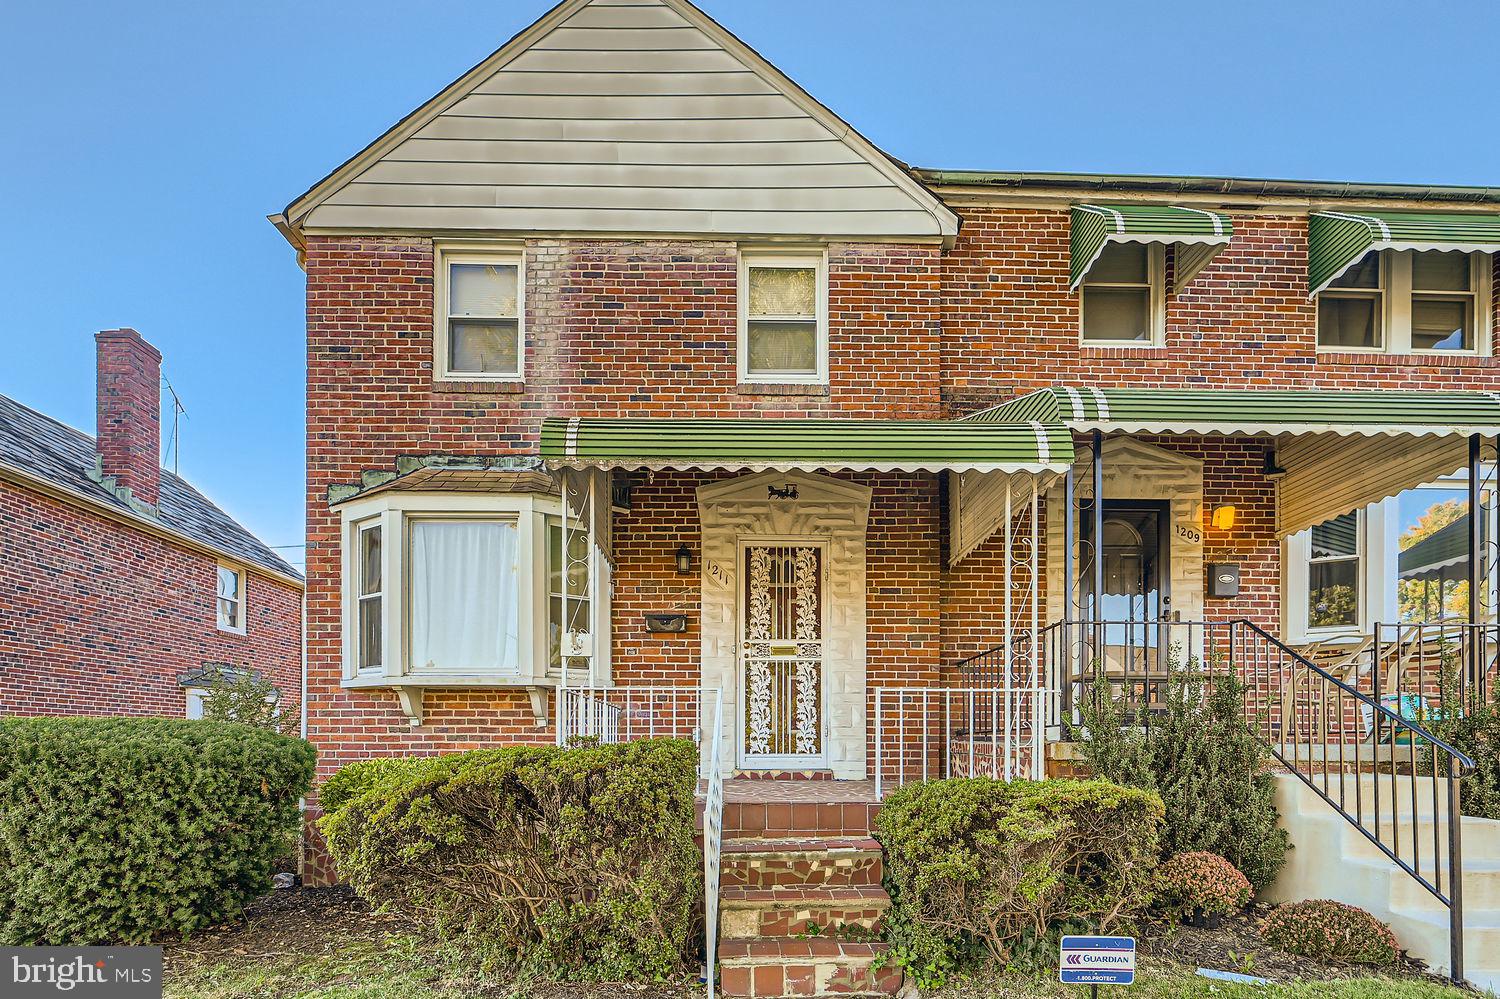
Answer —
231 631
411 688
782 388
456 387
1097 349
1348 357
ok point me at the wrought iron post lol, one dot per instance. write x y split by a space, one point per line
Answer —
1468 692
1096 473
1063 658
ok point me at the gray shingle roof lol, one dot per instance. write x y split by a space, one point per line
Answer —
55 452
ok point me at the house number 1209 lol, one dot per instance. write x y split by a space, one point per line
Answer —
1191 535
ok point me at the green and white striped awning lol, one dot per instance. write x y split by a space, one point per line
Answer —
1269 411
1340 451
793 443
1197 233
1337 241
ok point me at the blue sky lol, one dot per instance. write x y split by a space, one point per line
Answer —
146 142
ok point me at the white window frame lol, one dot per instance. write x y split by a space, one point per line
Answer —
358 596
444 256
1395 297
194 706
749 258
395 513
1156 276
1297 561
238 627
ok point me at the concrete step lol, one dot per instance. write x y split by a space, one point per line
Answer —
813 966
785 862
1333 859
747 913
1424 931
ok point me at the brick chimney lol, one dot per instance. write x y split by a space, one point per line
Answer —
129 437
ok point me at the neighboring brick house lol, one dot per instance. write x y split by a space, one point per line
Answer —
124 590
627 355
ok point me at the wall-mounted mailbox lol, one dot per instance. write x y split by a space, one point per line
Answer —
1223 579
666 623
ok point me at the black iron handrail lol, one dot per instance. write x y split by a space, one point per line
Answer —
1299 710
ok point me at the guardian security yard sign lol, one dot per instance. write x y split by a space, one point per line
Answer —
1097 961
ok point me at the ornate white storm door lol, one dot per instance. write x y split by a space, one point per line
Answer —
781 656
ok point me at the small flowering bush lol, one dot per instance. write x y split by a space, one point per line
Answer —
1323 928
1202 880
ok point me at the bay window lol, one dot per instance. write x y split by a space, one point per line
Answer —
463 593
368 628
466 589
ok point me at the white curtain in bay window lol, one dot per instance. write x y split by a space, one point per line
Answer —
464 597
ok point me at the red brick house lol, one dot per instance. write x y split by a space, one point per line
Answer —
124 590
639 383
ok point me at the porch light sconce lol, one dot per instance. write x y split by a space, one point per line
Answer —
684 560
1223 517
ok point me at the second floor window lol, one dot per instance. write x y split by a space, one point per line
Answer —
1406 300
231 599
480 333
1122 295
783 318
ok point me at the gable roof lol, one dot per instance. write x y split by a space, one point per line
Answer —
635 116
42 449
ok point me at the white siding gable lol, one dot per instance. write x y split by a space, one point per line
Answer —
625 116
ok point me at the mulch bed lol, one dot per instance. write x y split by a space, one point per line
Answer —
292 922
1226 949
309 922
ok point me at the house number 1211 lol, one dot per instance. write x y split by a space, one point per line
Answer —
718 575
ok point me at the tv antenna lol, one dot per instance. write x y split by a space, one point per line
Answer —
174 442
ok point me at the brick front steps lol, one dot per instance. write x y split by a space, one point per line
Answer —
800 899
788 966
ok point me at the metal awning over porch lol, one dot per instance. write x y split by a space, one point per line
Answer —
797 444
1339 451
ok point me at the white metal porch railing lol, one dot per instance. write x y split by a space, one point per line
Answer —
927 733
628 713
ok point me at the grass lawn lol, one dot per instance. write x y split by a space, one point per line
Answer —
326 944
1183 984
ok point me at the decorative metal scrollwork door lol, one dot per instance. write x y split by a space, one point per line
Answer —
781 651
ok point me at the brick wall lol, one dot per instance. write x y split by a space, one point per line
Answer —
647 328
1010 325
98 618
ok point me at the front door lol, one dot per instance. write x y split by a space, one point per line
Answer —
1134 644
781 656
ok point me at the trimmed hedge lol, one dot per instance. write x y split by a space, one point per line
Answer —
1329 930
115 830
569 863
982 869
